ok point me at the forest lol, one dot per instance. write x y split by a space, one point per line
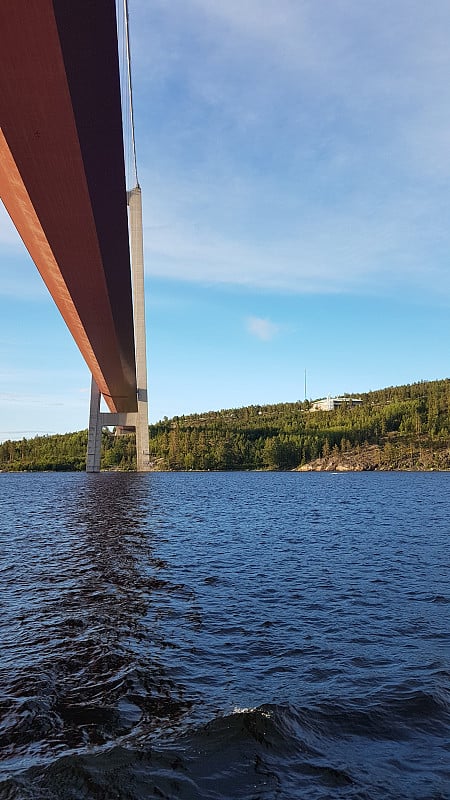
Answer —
402 427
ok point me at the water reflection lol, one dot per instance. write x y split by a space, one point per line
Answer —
94 676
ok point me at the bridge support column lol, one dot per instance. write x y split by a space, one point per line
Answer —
138 420
94 447
137 278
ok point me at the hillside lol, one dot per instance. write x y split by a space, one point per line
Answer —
402 427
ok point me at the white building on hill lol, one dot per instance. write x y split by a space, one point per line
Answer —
330 403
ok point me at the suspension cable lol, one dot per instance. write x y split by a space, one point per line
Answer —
130 88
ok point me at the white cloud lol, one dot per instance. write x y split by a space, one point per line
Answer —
263 329
302 149
359 247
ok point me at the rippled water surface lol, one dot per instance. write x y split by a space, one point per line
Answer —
253 635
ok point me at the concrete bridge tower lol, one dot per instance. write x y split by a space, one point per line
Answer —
139 419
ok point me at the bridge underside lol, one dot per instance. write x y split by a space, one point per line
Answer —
62 176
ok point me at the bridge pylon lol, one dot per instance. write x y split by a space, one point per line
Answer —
129 419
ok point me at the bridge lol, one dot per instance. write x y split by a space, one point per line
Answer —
62 181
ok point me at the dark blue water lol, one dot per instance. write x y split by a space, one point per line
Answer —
253 635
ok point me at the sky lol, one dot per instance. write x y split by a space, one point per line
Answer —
294 160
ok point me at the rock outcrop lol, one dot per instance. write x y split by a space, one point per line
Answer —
364 460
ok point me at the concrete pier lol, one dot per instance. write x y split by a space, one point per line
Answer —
132 419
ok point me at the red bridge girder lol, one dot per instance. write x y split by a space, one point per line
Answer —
62 175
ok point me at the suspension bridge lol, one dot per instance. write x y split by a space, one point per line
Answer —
63 183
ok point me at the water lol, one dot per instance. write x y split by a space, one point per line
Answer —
254 635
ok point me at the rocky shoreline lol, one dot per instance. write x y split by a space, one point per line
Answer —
373 457
346 462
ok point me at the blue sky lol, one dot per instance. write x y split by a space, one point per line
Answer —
294 157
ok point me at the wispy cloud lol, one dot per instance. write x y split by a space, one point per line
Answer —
32 399
263 329
352 249
303 149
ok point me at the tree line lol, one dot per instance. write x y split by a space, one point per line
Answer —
409 425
